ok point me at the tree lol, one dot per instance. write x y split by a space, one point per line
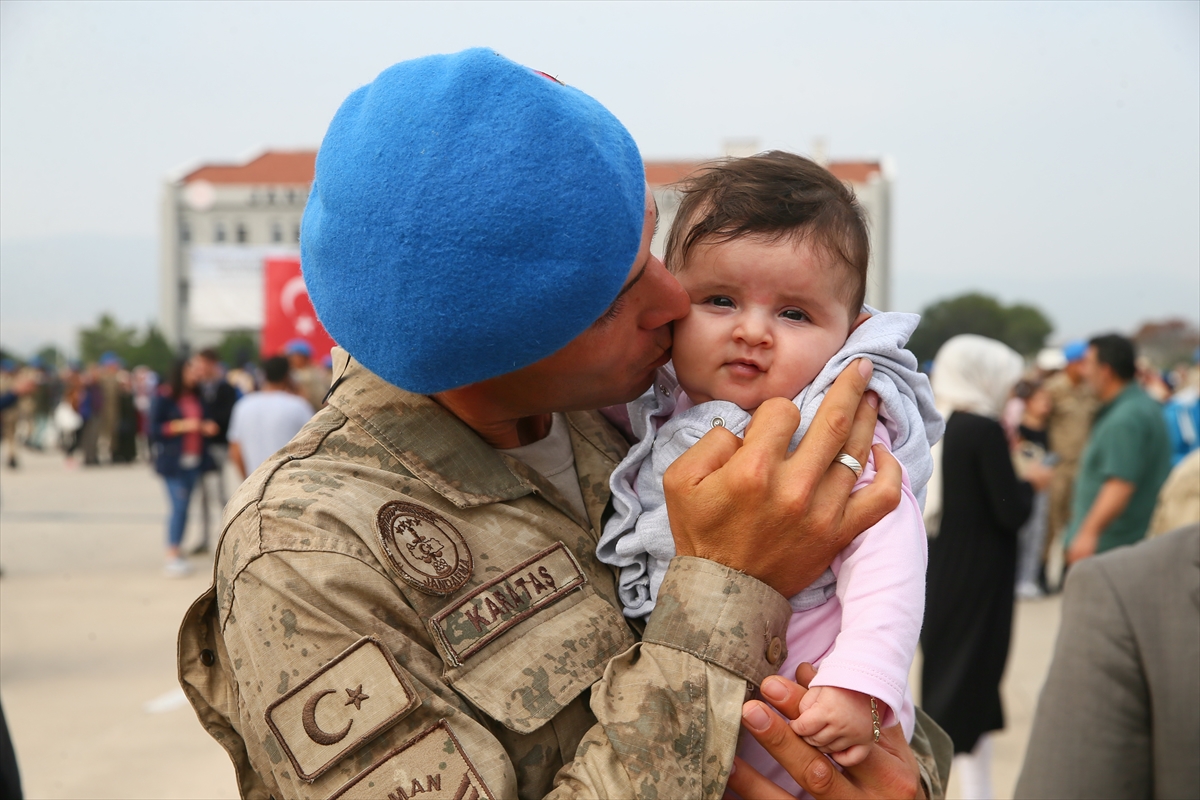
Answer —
1022 327
108 335
238 348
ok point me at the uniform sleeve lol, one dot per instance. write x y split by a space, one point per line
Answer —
668 710
881 587
1091 730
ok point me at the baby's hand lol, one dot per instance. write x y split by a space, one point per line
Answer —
836 721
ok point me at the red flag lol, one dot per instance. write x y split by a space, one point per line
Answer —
289 313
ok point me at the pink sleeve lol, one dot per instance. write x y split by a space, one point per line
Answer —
881 587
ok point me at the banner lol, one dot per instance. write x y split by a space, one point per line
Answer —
226 286
287 312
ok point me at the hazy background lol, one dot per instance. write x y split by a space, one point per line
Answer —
1048 153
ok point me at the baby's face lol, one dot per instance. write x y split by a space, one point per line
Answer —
765 318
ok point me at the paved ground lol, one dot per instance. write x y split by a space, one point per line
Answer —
87 643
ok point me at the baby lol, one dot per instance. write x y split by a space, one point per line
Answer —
773 252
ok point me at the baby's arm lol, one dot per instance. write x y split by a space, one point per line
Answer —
881 587
837 721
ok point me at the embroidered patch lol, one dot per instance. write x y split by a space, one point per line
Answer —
343 704
433 765
424 548
493 608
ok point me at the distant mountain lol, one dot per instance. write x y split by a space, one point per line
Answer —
51 286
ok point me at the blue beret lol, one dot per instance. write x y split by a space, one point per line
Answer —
1074 351
468 217
298 347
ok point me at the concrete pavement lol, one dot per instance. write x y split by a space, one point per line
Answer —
87 642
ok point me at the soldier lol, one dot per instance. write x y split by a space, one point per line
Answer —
1073 405
406 598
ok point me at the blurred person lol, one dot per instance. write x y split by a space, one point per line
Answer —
218 398
1117 714
1032 447
243 379
124 445
10 775
145 387
264 421
1073 406
91 404
109 379
178 429
1182 415
976 505
1151 380
1179 499
311 382
8 417
1126 459
67 418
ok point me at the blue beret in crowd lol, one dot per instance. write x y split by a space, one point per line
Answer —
469 216
1075 351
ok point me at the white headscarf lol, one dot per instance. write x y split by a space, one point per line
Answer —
970 373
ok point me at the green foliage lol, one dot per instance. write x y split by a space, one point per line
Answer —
238 348
149 349
1022 327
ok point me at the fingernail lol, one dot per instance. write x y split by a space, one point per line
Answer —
755 717
872 400
773 690
865 367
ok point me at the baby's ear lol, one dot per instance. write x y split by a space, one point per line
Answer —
862 317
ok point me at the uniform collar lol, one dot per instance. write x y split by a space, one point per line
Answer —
445 454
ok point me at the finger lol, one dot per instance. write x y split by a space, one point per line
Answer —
876 500
841 478
783 694
805 673
772 427
807 766
749 783
702 459
834 419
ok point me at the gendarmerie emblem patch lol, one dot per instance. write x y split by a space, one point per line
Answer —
432 764
424 548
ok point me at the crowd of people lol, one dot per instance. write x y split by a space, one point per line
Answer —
186 424
1041 468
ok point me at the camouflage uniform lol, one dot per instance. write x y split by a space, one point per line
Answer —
1067 430
400 610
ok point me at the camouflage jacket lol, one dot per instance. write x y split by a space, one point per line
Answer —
400 610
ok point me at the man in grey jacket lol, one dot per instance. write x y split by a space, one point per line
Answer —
1118 714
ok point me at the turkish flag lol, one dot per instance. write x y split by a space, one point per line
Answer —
289 313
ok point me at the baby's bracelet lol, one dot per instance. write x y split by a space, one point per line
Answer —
875 720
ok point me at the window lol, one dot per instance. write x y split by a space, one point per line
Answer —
297 231
218 231
276 232
291 197
241 233
270 198
185 232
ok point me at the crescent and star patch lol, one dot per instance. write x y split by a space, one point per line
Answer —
340 706
431 764
424 548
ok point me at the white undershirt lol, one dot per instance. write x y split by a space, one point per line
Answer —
553 458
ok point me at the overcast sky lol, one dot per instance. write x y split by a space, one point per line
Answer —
1046 153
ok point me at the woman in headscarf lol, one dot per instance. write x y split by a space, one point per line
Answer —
975 506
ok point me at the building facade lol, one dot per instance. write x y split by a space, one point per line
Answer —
220 222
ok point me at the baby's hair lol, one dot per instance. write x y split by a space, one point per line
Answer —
773 195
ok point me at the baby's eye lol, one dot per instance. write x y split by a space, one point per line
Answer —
794 314
720 301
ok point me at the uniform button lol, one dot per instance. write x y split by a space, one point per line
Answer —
775 651
208 658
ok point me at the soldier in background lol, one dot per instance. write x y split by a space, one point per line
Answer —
1073 406
310 380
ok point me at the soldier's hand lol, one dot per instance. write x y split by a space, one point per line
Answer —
889 771
780 518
